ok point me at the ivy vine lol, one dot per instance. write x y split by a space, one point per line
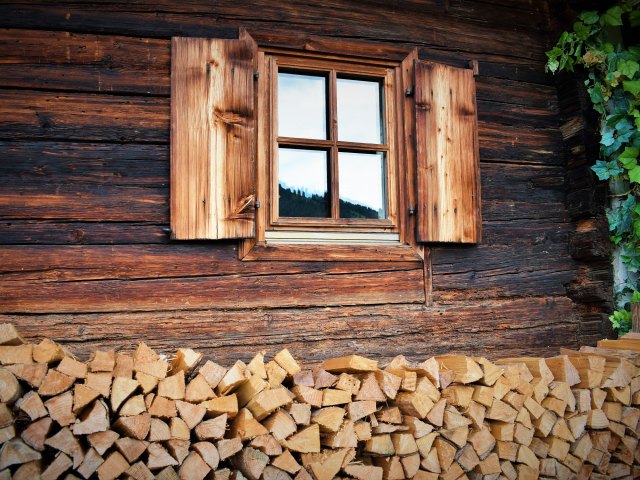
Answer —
595 45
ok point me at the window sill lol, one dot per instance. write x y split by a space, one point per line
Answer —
327 252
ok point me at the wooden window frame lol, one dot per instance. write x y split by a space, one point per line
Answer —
396 67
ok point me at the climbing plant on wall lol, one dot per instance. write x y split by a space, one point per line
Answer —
596 45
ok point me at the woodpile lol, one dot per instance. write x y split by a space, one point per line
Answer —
141 416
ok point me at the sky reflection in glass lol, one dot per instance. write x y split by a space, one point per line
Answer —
362 185
302 106
302 180
359 111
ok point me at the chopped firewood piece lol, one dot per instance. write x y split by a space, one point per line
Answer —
220 405
66 442
168 473
139 471
250 389
613 411
268 401
9 335
499 410
208 452
134 406
234 377
388 382
123 367
36 434
280 424
555 405
457 436
172 387
32 405
389 415
121 389
256 366
102 361
436 413
416 404
72 367
10 355
159 431
345 437
47 351
92 460
228 448
329 466
596 419
144 354
250 462
267 444
100 382
409 381
562 391
370 390
60 464
350 364
159 457
286 462
83 396
507 450
245 426
32 373
558 449
185 360
465 368
459 395
329 419
6 415
16 452
522 434
577 424
468 458
404 444
348 383
358 410
545 423
155 368
621 395
179 449
301 413
212 429
194 467
430 462
162 407
598 398
212 373
147 382
273 473
131 448
198 390
332 397
502 431
489 466
308 395
304 377
453 419
190 413
446 453
305 441
275 374
483 442
179 429
364 472
136 426
7 433
323 379
286 361
102 441
10 389
380 445
60 409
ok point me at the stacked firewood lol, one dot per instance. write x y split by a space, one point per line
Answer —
142 416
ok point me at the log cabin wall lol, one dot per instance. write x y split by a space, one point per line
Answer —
84 191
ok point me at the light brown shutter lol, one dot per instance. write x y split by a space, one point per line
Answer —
447 154
212 138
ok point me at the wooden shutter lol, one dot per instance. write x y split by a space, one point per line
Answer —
212 138
447 154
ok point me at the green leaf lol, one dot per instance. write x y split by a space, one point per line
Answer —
582 31
634 18
628 68
605 170
634 174
589 18
612 17
631 86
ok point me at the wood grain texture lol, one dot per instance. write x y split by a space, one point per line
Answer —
212 145
448 173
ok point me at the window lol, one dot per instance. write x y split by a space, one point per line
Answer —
331 158
336 150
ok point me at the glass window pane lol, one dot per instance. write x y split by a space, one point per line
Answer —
302 183
359 112
362 185
302 106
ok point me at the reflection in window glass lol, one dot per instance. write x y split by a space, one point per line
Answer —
302 183
302 106
362 185
359 113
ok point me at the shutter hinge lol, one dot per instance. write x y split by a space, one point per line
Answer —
166 230
256 75
408 92
412 210
257 204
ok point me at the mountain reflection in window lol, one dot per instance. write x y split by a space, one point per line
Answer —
302 183
362 185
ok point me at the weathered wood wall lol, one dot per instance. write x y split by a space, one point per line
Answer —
84 173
